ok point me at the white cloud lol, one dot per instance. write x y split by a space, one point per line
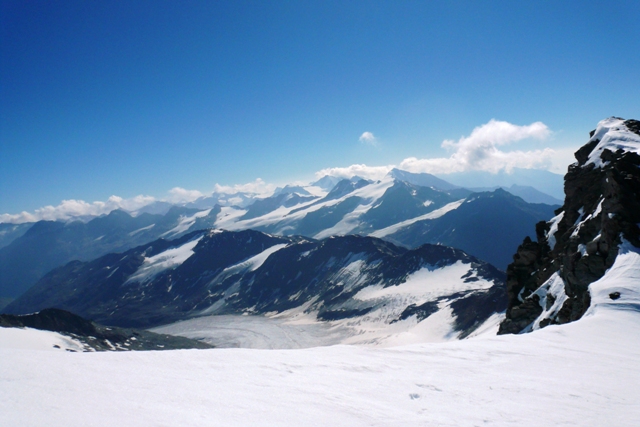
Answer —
368 138
363 171
69 209
480 151
256 187
131 204
180 195
562 158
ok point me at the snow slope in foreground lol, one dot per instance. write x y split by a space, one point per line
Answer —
584 373
33 339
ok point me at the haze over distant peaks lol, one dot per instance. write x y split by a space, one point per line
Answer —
542 180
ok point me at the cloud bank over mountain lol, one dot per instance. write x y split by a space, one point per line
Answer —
69 209
363 171
179 194
480 151
256 187
74 209
483 150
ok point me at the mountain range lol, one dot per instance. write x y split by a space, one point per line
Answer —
362 285
405 208
308 252
353 255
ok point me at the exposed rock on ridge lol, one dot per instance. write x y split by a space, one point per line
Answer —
548 281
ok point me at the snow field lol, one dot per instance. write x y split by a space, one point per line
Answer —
34 339
255 332
585 374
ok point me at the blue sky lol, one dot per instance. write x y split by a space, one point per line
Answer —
129 98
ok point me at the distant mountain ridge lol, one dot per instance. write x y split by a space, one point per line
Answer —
525 192
49 244
422 179
488 225
352 206
10 232
544 181
474 181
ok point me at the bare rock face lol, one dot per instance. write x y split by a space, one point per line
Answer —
548 281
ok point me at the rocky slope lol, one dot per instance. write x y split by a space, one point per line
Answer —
367 282
548 281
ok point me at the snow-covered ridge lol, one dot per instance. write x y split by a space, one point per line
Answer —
612 135
171 258
284 216
379 315
185 223
431 215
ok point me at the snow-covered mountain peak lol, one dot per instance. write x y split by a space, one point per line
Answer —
612 134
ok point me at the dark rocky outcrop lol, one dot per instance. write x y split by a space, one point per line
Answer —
602 206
